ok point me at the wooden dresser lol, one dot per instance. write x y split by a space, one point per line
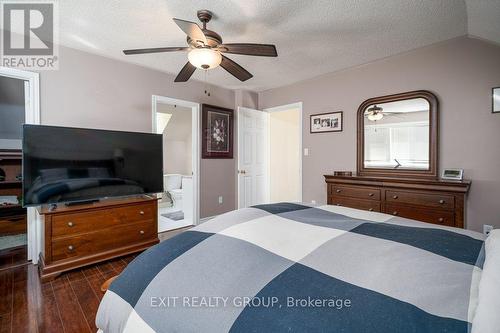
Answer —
79 235
433 201
12 216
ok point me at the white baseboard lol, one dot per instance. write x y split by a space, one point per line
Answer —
205 219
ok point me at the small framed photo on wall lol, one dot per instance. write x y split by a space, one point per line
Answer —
327 122
495 100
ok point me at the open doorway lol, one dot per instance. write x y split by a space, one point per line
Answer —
18 105
177 121
285 153
269 155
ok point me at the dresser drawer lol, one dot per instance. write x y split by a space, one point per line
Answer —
422 199
65 225
358 192
12 225
434 216
370 205
103 240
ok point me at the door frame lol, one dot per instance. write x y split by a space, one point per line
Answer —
195 142
32 116
285 107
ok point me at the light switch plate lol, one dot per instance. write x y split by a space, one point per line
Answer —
306 151
221 199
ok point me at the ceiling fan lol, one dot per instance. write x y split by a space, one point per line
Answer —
206 50
375 113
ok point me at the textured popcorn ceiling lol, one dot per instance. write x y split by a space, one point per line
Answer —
313 37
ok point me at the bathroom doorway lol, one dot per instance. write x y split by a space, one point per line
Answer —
178 122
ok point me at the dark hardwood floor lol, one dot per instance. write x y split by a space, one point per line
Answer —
14 256
67 304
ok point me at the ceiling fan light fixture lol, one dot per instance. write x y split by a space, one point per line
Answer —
375 116
204 58
375 113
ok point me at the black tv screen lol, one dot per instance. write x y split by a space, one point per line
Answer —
62 164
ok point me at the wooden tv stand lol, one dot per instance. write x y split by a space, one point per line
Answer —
79 235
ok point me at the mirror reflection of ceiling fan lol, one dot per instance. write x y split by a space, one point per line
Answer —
206 50
375 113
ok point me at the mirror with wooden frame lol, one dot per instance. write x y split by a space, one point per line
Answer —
398 136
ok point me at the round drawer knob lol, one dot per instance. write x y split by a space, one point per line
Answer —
70 224
141 212
395 197
338 191
141 232
441 219
71 248
371 195
442 201
371 209
394 213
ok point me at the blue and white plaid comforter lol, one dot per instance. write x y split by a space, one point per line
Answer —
294 268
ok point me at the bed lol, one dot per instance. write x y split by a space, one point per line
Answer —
295 268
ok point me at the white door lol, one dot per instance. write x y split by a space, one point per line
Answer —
253 166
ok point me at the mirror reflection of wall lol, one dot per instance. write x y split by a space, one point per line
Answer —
397 134
12 105
13 225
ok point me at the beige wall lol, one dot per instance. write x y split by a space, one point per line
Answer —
177 139
461 72
98 92
284 141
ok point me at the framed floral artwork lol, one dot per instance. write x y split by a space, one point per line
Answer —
217 132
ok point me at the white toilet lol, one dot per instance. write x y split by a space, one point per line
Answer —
173 185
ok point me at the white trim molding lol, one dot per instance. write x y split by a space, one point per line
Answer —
208 218
32 116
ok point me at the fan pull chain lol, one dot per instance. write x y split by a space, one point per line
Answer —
205 83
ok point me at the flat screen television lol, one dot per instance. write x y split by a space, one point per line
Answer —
66 165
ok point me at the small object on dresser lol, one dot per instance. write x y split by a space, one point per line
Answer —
453 174
2 175
342 173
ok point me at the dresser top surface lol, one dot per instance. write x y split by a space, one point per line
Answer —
381 181
61 208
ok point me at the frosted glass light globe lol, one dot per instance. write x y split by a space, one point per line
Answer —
204 58
375 116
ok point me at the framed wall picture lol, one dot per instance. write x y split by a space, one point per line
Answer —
327 122
495 103
217 132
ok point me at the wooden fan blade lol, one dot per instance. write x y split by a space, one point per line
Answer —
155 50
234 69
261 50
185 73
191 29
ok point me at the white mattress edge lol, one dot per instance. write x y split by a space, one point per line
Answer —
486 318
